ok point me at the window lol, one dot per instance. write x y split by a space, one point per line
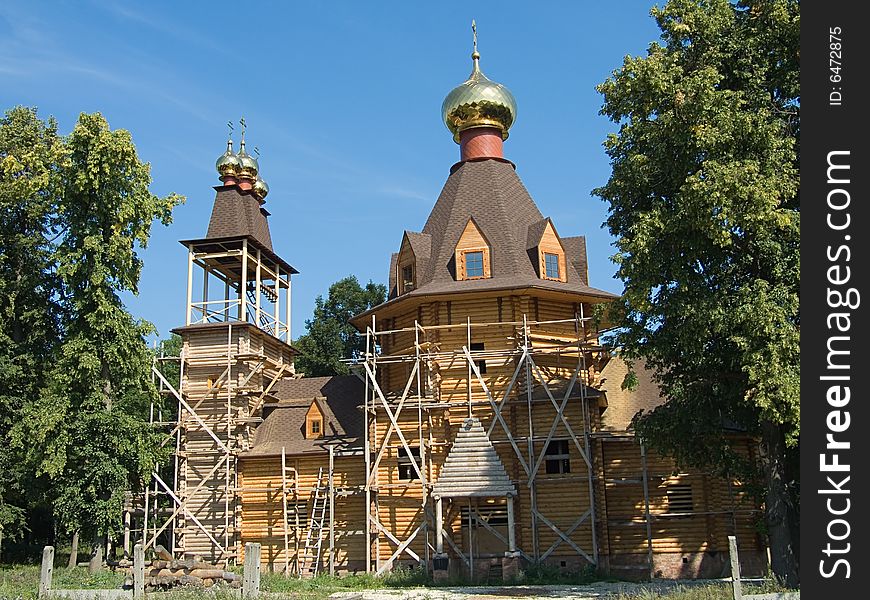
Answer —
679 497
473 264
551 266
406 467
557 458
315 427
493 515
407 278
481 364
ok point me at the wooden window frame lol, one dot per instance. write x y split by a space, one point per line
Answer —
405 471
463 272
558 463
547 275
481 364
560 258
407 285
309 427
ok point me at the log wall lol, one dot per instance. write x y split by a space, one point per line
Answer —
222 405
430 423
260 487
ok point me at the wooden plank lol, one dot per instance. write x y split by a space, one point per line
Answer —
736 586
46 572
138 571
251 577
332 510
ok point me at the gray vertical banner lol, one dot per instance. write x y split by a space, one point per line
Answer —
835 228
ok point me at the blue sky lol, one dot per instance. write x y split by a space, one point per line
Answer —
343 100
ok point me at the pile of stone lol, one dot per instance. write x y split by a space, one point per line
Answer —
166 572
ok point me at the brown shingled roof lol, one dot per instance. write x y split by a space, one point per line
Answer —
575 249
283 423
491 192
535 232
394 260
237 213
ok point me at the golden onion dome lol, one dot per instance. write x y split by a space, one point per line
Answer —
261 188
248 165
478 102
228 163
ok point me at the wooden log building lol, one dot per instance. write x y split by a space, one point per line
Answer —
484 427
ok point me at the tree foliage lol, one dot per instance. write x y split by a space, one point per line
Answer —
29 311
703 202
86 428
330 337
166 356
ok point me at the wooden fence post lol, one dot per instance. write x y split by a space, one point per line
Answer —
735 568
138 571
47 570
251 581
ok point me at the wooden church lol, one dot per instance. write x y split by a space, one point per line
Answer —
483 429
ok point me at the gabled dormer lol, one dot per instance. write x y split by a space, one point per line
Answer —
315 421
473 253
546 251
411 261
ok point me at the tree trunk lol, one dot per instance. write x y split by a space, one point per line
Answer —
74 551
96 562
781 511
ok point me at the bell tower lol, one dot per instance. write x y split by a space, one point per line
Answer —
236 348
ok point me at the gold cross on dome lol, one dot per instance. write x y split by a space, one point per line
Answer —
474 33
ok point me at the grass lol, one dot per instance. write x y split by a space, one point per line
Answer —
549 575
701 592
22 581
324 585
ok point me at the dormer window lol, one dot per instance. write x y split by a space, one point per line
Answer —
407 278
472 254
546 251
314 421
551 266
473 264
410 262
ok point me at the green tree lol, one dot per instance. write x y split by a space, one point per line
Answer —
703 201
29 312
330 337
89 428
166 354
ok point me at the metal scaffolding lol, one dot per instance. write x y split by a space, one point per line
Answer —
421 396
225 408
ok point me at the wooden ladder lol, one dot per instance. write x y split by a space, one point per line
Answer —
314 535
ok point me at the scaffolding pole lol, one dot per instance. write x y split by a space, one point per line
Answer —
421 352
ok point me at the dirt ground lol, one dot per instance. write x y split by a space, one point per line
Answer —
590 591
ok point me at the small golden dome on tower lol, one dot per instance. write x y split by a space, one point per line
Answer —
478 102
228 163
248 165
261 188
